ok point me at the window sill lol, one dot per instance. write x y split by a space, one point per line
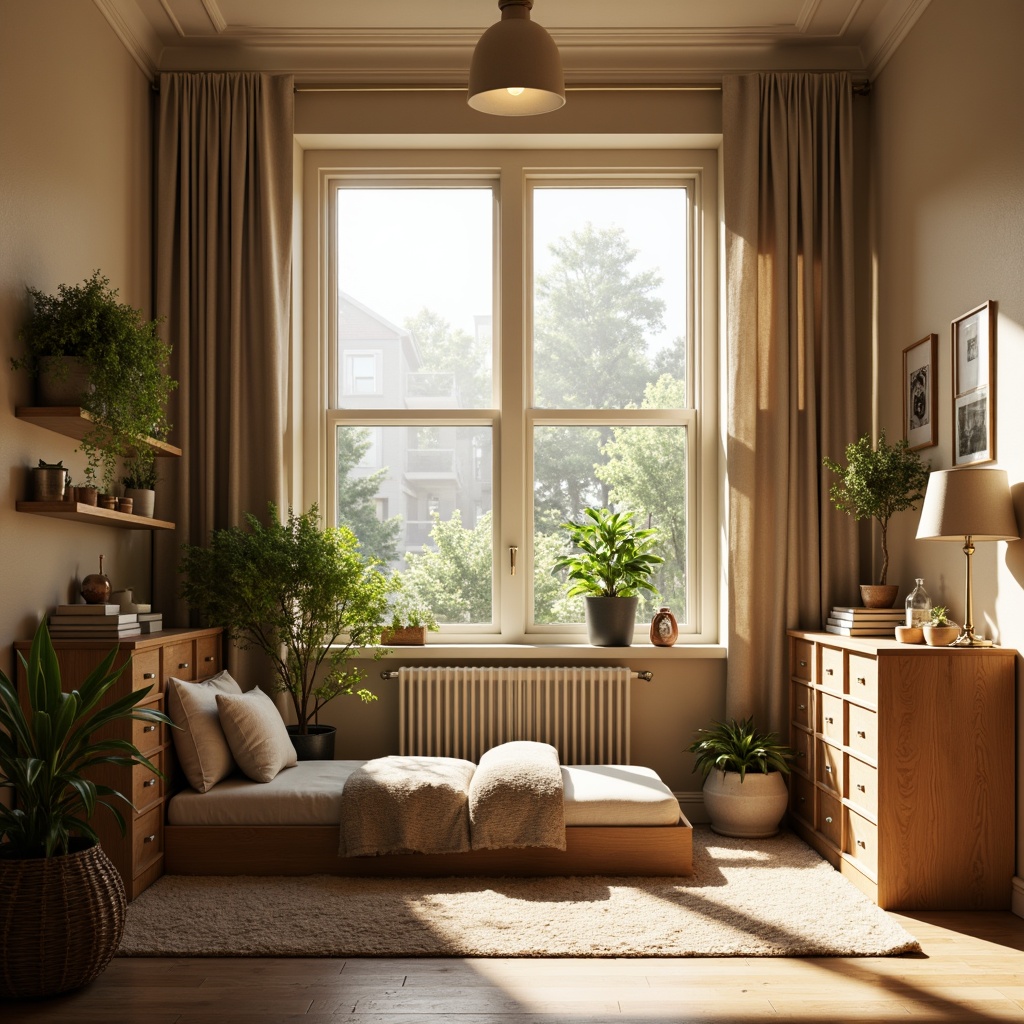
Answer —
574 652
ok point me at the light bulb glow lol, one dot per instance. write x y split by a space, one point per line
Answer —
515 91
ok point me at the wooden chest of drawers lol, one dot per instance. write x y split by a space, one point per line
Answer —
187 654
906 766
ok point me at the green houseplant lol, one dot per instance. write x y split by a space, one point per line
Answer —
140 484
113 363
59 892
940 630
302 594
876 483
409 620
612 561
744 791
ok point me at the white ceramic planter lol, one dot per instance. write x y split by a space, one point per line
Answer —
751 809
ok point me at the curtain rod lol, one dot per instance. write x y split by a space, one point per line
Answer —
703 87
645 676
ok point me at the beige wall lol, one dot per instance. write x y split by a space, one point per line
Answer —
75 117
948 159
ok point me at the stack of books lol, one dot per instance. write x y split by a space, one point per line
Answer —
865 621
99 621
151 622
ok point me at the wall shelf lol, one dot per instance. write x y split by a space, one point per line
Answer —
81 513
71 421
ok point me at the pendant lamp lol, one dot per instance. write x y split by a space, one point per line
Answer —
516 69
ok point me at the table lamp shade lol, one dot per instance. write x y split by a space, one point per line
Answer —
968 502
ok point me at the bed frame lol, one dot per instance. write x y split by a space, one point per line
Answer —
313 850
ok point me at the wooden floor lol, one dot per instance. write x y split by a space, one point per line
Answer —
971 969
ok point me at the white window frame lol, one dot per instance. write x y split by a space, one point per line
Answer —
512 172
349 377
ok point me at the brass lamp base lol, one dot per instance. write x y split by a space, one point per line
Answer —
968 638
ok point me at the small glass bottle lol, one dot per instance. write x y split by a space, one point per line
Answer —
919 605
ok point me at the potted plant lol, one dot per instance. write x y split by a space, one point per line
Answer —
940 630
611 563
303 595
744 792
59 892
87 349
876 483
140 482
409 622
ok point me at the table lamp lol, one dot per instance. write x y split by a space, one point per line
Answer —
968 505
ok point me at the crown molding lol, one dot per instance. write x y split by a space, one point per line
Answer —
889 30
136 33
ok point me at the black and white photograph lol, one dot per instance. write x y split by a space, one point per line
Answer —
973 360
920 393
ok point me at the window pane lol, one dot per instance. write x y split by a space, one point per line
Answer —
436 482
415 282
628 469
609 294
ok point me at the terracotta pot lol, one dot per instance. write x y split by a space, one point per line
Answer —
940 636
878 595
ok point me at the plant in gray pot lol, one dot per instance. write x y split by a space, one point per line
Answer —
302 594
62 902
744 792
611 563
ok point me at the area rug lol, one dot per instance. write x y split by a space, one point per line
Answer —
769 897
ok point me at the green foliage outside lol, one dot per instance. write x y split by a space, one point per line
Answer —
47 752
356 493
739 747
127 366
303 595
878 482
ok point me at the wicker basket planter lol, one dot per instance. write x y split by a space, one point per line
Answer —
407 636
61 920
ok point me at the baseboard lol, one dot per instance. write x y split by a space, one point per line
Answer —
691 803
1017 897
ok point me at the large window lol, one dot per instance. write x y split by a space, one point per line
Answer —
506 344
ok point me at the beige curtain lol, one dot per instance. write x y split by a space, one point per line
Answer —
223 282
787 141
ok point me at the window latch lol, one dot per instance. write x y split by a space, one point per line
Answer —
513 552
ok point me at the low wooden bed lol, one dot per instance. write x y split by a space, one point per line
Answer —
313 849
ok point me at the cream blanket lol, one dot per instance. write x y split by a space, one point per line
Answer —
447 805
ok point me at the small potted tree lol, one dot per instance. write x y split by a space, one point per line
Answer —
62 902
611 562
744 791
876 483
302 594
87 349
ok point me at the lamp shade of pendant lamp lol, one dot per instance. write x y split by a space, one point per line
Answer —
516 69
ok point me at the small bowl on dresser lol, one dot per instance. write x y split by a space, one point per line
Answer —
910 634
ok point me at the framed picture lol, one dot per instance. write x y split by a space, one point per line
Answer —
921 393
973 359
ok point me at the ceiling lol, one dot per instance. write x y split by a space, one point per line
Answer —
601 41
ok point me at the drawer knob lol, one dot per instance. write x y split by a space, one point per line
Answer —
828 768
830 721
149 675
148 783
863 735
209 657
803 799
829 672
828 820
802 707
862 681
861 788
800 753
149 728
182 664
803 664
150 839
862 844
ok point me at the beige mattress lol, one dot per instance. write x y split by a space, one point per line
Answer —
310 794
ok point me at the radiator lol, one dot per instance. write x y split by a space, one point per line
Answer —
461 712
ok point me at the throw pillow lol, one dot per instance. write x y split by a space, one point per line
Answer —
256 734
202 748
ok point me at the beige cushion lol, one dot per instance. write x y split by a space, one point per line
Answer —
256 734
200 743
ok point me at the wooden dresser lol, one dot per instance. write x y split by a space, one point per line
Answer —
187 654
906 767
